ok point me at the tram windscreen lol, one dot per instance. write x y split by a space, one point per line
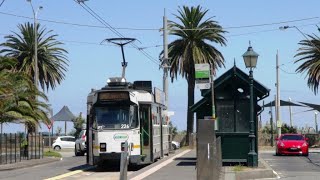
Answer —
116 117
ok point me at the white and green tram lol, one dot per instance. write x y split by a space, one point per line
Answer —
121 112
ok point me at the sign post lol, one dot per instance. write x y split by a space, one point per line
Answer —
49 127
202 76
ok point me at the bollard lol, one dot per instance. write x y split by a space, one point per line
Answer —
0 148
15 147
124 162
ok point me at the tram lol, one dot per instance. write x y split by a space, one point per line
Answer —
122 111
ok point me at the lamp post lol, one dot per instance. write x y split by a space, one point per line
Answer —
250 59
36 70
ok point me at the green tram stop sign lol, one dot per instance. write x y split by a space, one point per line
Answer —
202 76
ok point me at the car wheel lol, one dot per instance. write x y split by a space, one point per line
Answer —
174 147
307 154
57 148
82 153
76 153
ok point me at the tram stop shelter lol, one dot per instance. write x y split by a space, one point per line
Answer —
232 103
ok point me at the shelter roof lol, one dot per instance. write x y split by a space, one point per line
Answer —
233 77
63 115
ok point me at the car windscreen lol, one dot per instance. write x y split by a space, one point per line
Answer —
292 137
116 117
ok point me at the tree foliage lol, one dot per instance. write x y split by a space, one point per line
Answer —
309 56
285 128
17 96
173 129
78 123
195 33
52 60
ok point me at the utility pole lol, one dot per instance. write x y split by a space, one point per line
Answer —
165 60
36 69
316 121
279 123
271 126
290 111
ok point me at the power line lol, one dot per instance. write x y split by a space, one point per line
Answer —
286 71
154 29
80 25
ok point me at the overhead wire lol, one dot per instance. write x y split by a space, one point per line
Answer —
2 3
102 21
94 43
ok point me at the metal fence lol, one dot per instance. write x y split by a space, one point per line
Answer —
15 146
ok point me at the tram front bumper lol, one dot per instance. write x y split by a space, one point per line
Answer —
110 156
134 159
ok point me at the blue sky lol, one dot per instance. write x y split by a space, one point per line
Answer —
91 64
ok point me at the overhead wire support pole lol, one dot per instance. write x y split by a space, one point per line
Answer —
165 60
279 123
290 113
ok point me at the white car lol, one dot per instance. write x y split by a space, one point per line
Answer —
175 145
63 142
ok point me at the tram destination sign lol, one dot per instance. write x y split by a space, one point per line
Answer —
114 96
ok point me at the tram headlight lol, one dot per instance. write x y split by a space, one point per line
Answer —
103 147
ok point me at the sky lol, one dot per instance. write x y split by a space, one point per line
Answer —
90 63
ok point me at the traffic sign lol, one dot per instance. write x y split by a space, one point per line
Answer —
50 125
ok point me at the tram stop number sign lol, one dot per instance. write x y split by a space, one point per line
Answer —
202 76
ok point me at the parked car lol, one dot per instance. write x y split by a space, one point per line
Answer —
175 145
80 146
63 142
292 144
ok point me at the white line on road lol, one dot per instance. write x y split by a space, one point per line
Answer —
274 172
159 166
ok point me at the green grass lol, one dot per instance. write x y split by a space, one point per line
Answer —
52 154
238 168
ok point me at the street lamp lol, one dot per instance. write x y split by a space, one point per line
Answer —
304 35
250 59
36 70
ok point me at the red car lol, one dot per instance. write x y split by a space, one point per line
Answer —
292 144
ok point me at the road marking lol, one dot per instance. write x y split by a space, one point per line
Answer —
69 174
274 172
159 166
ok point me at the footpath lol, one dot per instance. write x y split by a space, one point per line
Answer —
178 166
27 163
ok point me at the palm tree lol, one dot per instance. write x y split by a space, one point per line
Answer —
17 92
309 55
192 47
52 60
